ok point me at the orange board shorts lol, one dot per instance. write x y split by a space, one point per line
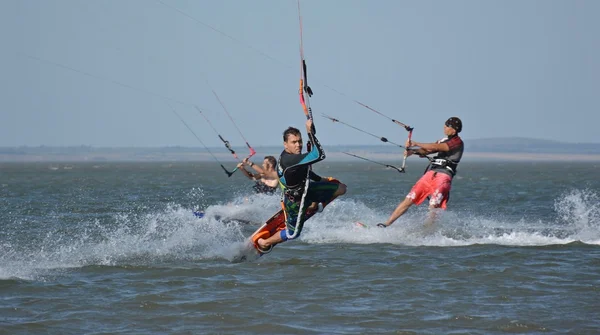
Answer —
432 184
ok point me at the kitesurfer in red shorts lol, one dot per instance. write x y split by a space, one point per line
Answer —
437 180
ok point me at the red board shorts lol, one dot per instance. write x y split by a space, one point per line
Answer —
432 184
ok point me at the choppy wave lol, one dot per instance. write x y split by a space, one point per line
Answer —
174 234
578 220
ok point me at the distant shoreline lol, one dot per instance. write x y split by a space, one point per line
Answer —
153 156
532 156
486 149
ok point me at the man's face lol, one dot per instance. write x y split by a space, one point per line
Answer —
266 165
449 131
293 144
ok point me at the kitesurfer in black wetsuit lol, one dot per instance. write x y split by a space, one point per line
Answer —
293 170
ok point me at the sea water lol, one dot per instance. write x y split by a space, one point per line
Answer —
114 248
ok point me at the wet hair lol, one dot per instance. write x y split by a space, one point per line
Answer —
271 160
290 131
454 123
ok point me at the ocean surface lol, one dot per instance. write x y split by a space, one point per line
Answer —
114 248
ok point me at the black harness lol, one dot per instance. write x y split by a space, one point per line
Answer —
443 163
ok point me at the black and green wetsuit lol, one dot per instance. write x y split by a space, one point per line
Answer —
293 170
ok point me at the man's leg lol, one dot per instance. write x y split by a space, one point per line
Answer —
341 190
417 194
431 216
271 241
399 211
313 207
439 198
320 194
291 215
323 191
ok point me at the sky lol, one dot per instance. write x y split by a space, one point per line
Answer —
117 73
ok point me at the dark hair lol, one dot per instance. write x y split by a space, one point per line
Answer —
454 123
290 131
271 160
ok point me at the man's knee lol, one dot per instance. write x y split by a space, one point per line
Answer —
341 190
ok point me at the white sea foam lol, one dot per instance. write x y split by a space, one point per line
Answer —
175 233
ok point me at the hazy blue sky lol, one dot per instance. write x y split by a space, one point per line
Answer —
507 68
